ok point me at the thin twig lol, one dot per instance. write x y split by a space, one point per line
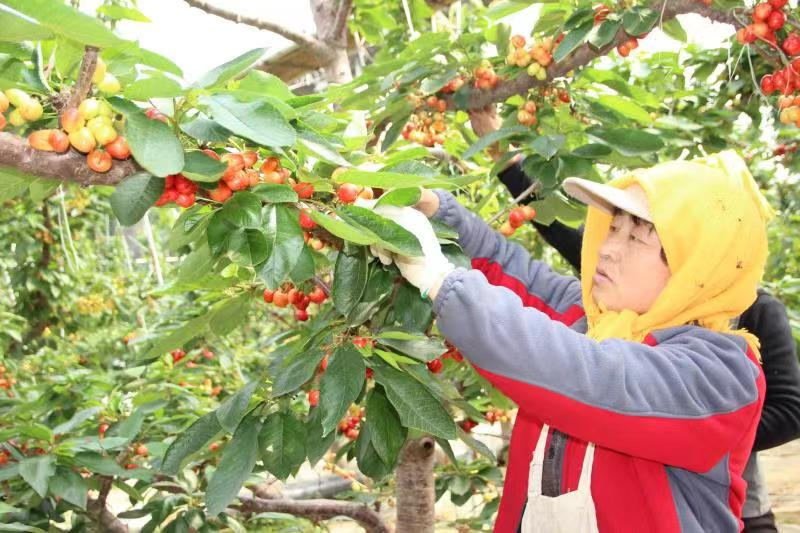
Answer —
342 14
84 84
524 194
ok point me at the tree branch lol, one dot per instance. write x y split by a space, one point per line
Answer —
71 166
585 54
109 522
297 37
84 83
316 510
340 22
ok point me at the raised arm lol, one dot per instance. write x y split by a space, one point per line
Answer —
685 402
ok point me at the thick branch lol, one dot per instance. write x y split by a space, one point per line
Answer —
297 37
106 519
15 152
342 15
316 510
84 83
585 54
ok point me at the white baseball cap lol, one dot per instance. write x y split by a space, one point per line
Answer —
632 199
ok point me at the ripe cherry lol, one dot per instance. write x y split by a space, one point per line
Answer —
506 229
317 295
268 295
221 193
141 450
361 342
99 161
304 190
313 397
250 158
280 299
102 429
516 217
306 222
761 12
59 141
776 20
435 366
118 148
347 193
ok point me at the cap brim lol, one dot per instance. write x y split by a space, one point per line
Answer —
606 197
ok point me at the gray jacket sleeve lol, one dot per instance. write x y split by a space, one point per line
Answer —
508 264
687 401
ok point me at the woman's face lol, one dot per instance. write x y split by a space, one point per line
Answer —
631 272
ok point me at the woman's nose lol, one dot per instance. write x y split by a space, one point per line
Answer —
610 249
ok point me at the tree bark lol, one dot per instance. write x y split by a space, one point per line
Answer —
330 18
416 495
316 510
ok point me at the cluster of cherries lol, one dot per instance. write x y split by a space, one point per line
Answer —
7 381
535 59
179 189
350 424
86 128
179 354
526 115
485 76
288 294
516 218
427 126
767 19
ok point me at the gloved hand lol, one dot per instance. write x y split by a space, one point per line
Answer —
425 271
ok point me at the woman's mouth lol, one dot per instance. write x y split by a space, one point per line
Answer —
601 277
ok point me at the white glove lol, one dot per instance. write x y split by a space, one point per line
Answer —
426 271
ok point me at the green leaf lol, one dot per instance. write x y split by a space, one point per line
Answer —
79 417
547 145
282 444
222 73
367 458
625 107
316 444
340 385
386 432
193 439
242 210
391 235
604 33
673 28
379 286
201 167
411 311
639 20
153 87
305 268
18 27
296 371
497 135
275 193
286 240
233 409
70 486
249 246
263 83
228 314
628 142
14 183
326 153
349 278
117 12
591 151
133 197
572 40
258 121
341 228
389 180
130 427
36 471
406 196
205 130
419 347
416 406
153 143
16 526
476 445
238 460
67 21
42 188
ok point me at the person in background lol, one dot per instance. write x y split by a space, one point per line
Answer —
766 319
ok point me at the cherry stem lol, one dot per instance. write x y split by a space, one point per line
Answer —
524 194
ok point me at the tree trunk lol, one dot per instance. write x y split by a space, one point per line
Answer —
326 13
416 494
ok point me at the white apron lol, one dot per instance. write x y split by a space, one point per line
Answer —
569 513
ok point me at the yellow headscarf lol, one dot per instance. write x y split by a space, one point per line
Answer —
711 219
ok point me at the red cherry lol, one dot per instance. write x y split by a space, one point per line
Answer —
776 20
268 295
777 4
360 342
323 364
317 295
435 366
516 217
347 193
762 11
369 373
301 315
306 221
313 397
768 84
304 190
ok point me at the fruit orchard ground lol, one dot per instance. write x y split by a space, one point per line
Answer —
782 471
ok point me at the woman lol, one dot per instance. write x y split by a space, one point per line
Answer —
638 403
